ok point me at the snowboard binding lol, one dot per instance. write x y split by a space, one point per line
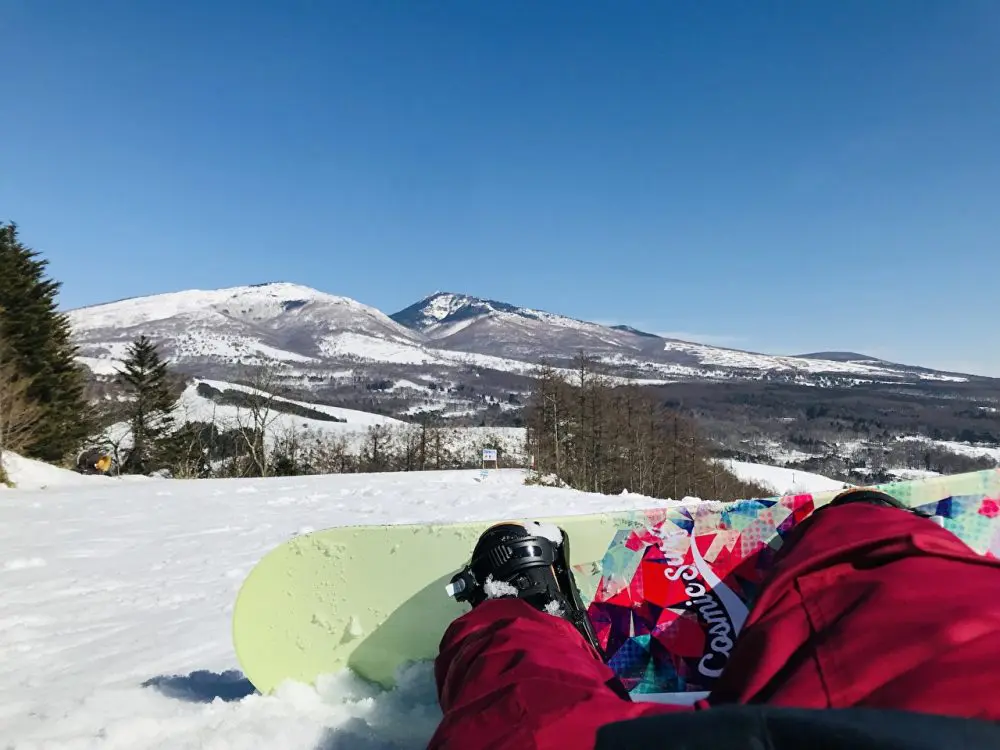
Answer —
528 562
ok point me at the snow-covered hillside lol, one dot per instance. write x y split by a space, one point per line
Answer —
198 404
195 407
781 480
115 605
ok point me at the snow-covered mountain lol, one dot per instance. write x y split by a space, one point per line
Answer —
462 323
452 339
245 325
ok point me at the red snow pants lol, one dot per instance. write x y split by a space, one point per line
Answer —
867 606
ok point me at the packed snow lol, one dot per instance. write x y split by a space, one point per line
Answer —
116 598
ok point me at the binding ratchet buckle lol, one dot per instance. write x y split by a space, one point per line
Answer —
507 561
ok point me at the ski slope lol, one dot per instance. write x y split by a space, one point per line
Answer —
782 481
116 598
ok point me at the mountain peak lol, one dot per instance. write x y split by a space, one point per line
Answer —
635 331
275 304
443 308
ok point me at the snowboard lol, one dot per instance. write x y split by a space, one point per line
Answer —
668 589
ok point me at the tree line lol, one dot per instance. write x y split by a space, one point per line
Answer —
598 435
43 412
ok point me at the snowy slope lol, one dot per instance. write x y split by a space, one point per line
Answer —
196 407
192 406
783 481
110 587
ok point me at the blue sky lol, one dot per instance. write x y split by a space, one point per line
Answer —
779 176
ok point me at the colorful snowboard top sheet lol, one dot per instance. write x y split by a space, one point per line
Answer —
676 589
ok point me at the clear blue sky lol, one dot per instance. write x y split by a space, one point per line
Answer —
780 176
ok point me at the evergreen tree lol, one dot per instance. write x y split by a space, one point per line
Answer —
150 413
38 337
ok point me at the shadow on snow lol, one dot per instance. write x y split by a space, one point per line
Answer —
203 686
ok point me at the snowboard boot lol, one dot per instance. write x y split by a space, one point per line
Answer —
528 562
873 497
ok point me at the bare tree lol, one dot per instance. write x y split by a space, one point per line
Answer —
376 452
412 452
255 417
20 415
603 437
333 455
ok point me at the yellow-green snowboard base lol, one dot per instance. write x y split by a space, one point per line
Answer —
372 598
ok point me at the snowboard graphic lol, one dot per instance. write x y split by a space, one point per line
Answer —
668 589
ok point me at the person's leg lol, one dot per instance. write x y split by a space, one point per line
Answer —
867 606
872 607
510 676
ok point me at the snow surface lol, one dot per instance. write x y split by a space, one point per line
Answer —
27 474
116 599
783 481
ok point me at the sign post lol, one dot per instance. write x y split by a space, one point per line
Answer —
489 456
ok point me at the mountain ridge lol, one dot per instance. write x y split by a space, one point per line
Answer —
320 335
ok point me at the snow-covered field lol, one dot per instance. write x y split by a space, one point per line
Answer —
116 596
